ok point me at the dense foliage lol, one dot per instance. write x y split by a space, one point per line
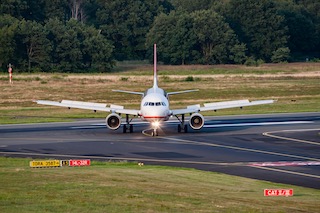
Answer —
89 35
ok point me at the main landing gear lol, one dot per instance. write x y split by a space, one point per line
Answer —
182 126
128 127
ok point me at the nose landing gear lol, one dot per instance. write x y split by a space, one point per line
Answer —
154 133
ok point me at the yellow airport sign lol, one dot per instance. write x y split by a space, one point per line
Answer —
64 162
45 163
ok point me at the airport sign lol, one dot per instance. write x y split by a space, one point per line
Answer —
278 192
64 163
45 163
82 162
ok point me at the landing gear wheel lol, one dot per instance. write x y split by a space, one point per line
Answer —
185 129
131 128
154 133
124 128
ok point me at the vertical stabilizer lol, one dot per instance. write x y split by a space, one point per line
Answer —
155 76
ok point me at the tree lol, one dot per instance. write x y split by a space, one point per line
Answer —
313 9
280 55
57 9
215 37
98 52
78 47
199 37
8 28
258 25
191 5
126 23
31 37
238 53
14 8
175 37
301 28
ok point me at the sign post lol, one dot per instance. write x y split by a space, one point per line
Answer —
10 73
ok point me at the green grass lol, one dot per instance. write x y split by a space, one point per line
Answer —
126 187
295 93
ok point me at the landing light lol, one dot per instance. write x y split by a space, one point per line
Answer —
156 124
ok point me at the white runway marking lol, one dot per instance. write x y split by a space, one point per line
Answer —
258 124
286 163
288 172
102 125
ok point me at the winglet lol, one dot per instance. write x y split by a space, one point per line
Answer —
155 77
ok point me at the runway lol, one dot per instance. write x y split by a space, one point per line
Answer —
283 148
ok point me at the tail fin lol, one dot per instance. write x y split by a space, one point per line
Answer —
155 76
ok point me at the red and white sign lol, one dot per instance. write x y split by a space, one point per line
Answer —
278 192
80 162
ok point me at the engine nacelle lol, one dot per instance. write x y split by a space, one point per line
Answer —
113 121
196 121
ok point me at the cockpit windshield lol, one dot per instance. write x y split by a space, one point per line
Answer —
154 104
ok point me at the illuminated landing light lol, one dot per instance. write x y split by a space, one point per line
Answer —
156 124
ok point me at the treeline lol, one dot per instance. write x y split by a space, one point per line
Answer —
89 35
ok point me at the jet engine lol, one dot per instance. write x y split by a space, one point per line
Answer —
113 121
196 121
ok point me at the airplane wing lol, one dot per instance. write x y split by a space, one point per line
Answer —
129 92
180 92
90 106
219 105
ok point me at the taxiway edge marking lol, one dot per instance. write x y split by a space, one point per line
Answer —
270 134
286 171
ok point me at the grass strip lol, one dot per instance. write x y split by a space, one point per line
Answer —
127 187
295 86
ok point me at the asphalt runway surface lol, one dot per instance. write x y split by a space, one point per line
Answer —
282 148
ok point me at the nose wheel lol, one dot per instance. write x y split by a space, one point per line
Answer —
154 133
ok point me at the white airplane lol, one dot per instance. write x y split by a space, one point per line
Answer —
154 108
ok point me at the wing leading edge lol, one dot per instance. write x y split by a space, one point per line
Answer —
90 106
219 105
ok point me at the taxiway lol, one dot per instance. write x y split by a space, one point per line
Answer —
283 148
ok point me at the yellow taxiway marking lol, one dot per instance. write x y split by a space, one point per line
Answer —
239 148
271 134
286 171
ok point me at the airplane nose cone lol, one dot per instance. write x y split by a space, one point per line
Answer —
156 114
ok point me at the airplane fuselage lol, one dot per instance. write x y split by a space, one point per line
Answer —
155 105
